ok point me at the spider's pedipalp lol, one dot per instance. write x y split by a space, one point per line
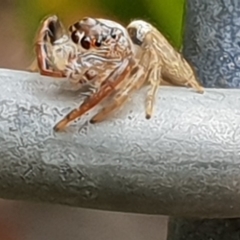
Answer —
53 48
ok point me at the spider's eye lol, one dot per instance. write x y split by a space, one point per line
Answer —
75 37
104 38
77 25
113 33
98 42
85 42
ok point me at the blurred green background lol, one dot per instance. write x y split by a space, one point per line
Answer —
165 15
20 21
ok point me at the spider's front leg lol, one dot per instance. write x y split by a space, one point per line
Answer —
133 81
106 87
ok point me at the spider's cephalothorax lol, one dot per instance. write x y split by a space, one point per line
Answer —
105 47
113 60
104 37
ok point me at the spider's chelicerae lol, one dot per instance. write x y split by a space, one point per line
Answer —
113 60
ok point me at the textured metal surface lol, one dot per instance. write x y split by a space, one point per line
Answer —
185 161
212 41
211 44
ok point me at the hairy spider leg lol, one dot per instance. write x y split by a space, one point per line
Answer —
138 76
155 81
105 90
136 79
154 75
174 67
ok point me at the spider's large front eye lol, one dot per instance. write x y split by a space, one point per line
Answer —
75 37
86 42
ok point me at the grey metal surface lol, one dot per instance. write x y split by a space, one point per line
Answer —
211 44
185 161
211 41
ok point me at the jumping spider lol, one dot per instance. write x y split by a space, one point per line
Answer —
112 59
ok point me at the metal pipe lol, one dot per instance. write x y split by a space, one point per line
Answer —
185 161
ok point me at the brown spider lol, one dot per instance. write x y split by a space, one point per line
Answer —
112 59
